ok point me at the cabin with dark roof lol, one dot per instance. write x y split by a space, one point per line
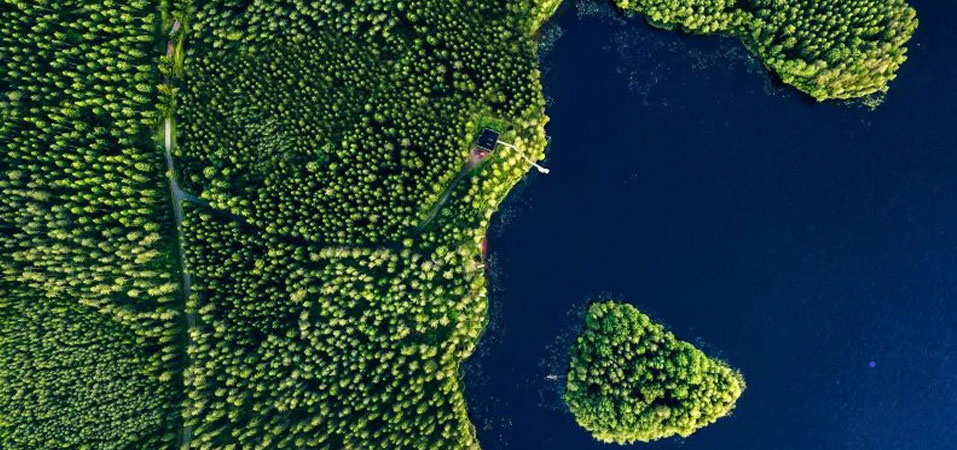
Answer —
487 139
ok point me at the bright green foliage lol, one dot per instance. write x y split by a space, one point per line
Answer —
332 217
836 49
336 271
84 229
72 378
340 121
541 11
699 16
630 380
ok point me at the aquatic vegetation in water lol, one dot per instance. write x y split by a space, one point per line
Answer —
631 380
830 49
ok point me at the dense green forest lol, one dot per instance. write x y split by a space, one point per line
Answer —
90 347
631 380
830 49
332 228
70 377
331 310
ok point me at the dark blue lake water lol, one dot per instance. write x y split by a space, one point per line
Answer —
798 241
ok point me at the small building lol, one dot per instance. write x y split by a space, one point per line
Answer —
488 139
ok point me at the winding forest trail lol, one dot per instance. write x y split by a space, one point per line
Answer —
177 196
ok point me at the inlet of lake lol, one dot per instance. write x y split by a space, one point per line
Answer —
812 246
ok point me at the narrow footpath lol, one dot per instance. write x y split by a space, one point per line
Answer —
176 195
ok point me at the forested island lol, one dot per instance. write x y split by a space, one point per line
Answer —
830 49
244 224
631 380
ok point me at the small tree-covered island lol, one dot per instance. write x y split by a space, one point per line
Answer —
631 380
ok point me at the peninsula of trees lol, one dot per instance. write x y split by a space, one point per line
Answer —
631 380
830 49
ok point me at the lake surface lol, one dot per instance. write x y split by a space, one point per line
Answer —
798 241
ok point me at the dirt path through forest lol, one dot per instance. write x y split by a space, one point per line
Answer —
176 195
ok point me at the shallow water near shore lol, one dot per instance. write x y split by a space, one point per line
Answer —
812 246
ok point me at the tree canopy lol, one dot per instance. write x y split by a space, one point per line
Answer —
631 380
332 217
90 347
830 49
331 311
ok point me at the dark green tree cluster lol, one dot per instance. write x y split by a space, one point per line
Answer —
631 380
830 49
330 348
85 229
83 209
71 378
